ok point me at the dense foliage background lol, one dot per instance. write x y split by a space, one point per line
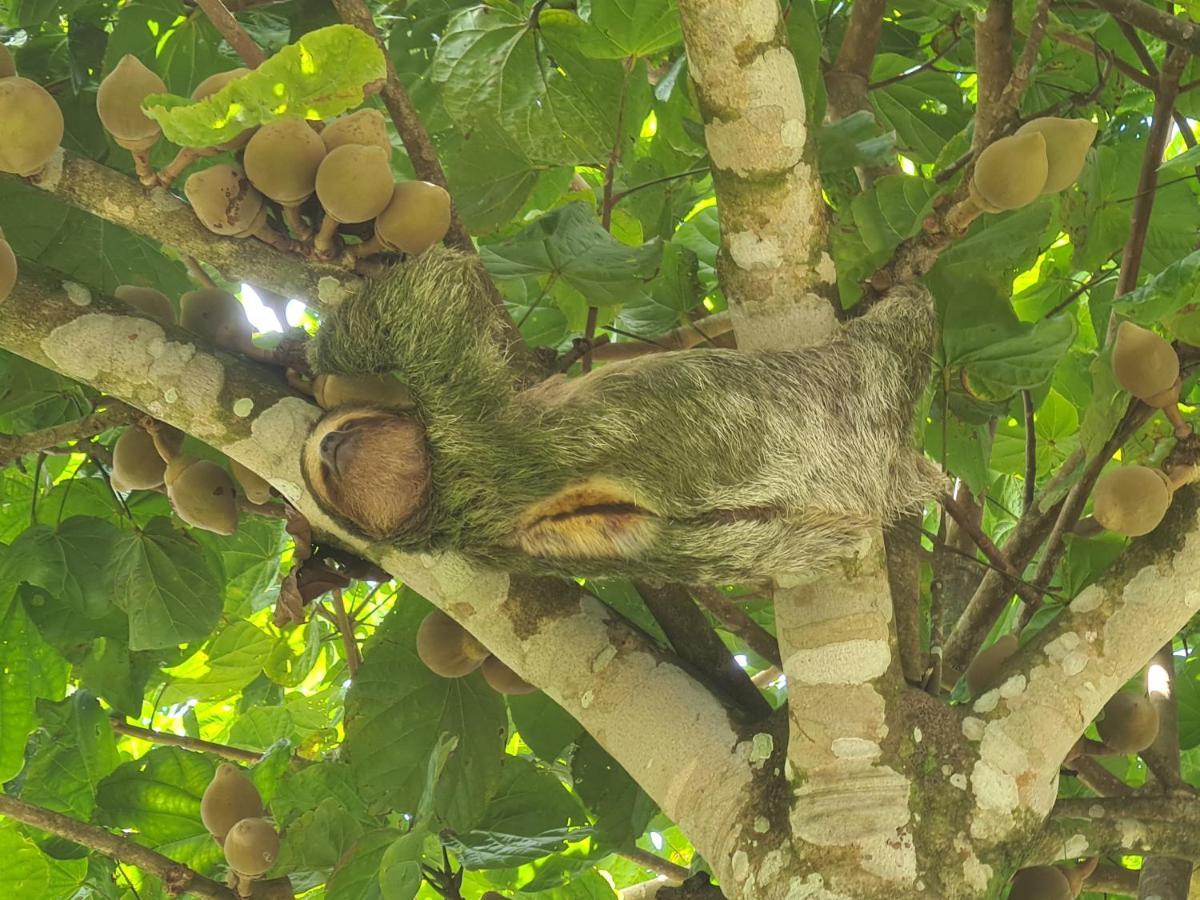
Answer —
575 154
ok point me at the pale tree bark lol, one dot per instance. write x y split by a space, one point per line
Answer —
774 265
627 693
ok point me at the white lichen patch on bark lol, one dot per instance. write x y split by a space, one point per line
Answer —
273 448
800 322
77 293
133 358
976 874
812 887
1075 847
847 662
972 728
768 133
854 803
331 291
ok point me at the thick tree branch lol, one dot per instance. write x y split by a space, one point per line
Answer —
847 79
241 42
1167 826
773 264
1173 29
161 216
993 66
1058 683
113 414
634 699
664 867
176 877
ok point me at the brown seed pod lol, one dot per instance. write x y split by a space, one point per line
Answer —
136 464
1145 364
364 126
8 67
217 316
354 183
416 218
504 680
202 494
229 798
981 673
251 847
1131 500
8 270
1011 172
1067 143
1129 723
447 648
1040 883
332 390
31 126
153 303
119 103
255 488
282 159
225 201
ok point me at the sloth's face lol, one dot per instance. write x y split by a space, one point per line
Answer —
369 468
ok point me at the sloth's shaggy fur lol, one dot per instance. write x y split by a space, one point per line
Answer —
699 466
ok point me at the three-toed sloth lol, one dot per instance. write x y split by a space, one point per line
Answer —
698 466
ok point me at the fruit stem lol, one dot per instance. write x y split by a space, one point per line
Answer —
325 243
141 164
269 235
1182 428
368 248
1087 527
184 158
296 224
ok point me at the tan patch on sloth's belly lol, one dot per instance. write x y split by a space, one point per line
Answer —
590 520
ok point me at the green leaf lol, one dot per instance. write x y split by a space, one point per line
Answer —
83 248
27 868
570 244
77 752
1175 288
622 809
303 790
545 726
29 669
158 797
260 727
166 585
357 874
115 675
400 869
319 76
319 838
925 110
532 815
493 68
396 713
250 559
629 28
1187 692
229 662
856 140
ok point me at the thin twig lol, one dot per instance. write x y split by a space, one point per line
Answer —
737 621
188 743
909 73
1163 25
197 272
1030 453
176 877
989 549
114 415
241 42
346 629
1018 82
664 867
